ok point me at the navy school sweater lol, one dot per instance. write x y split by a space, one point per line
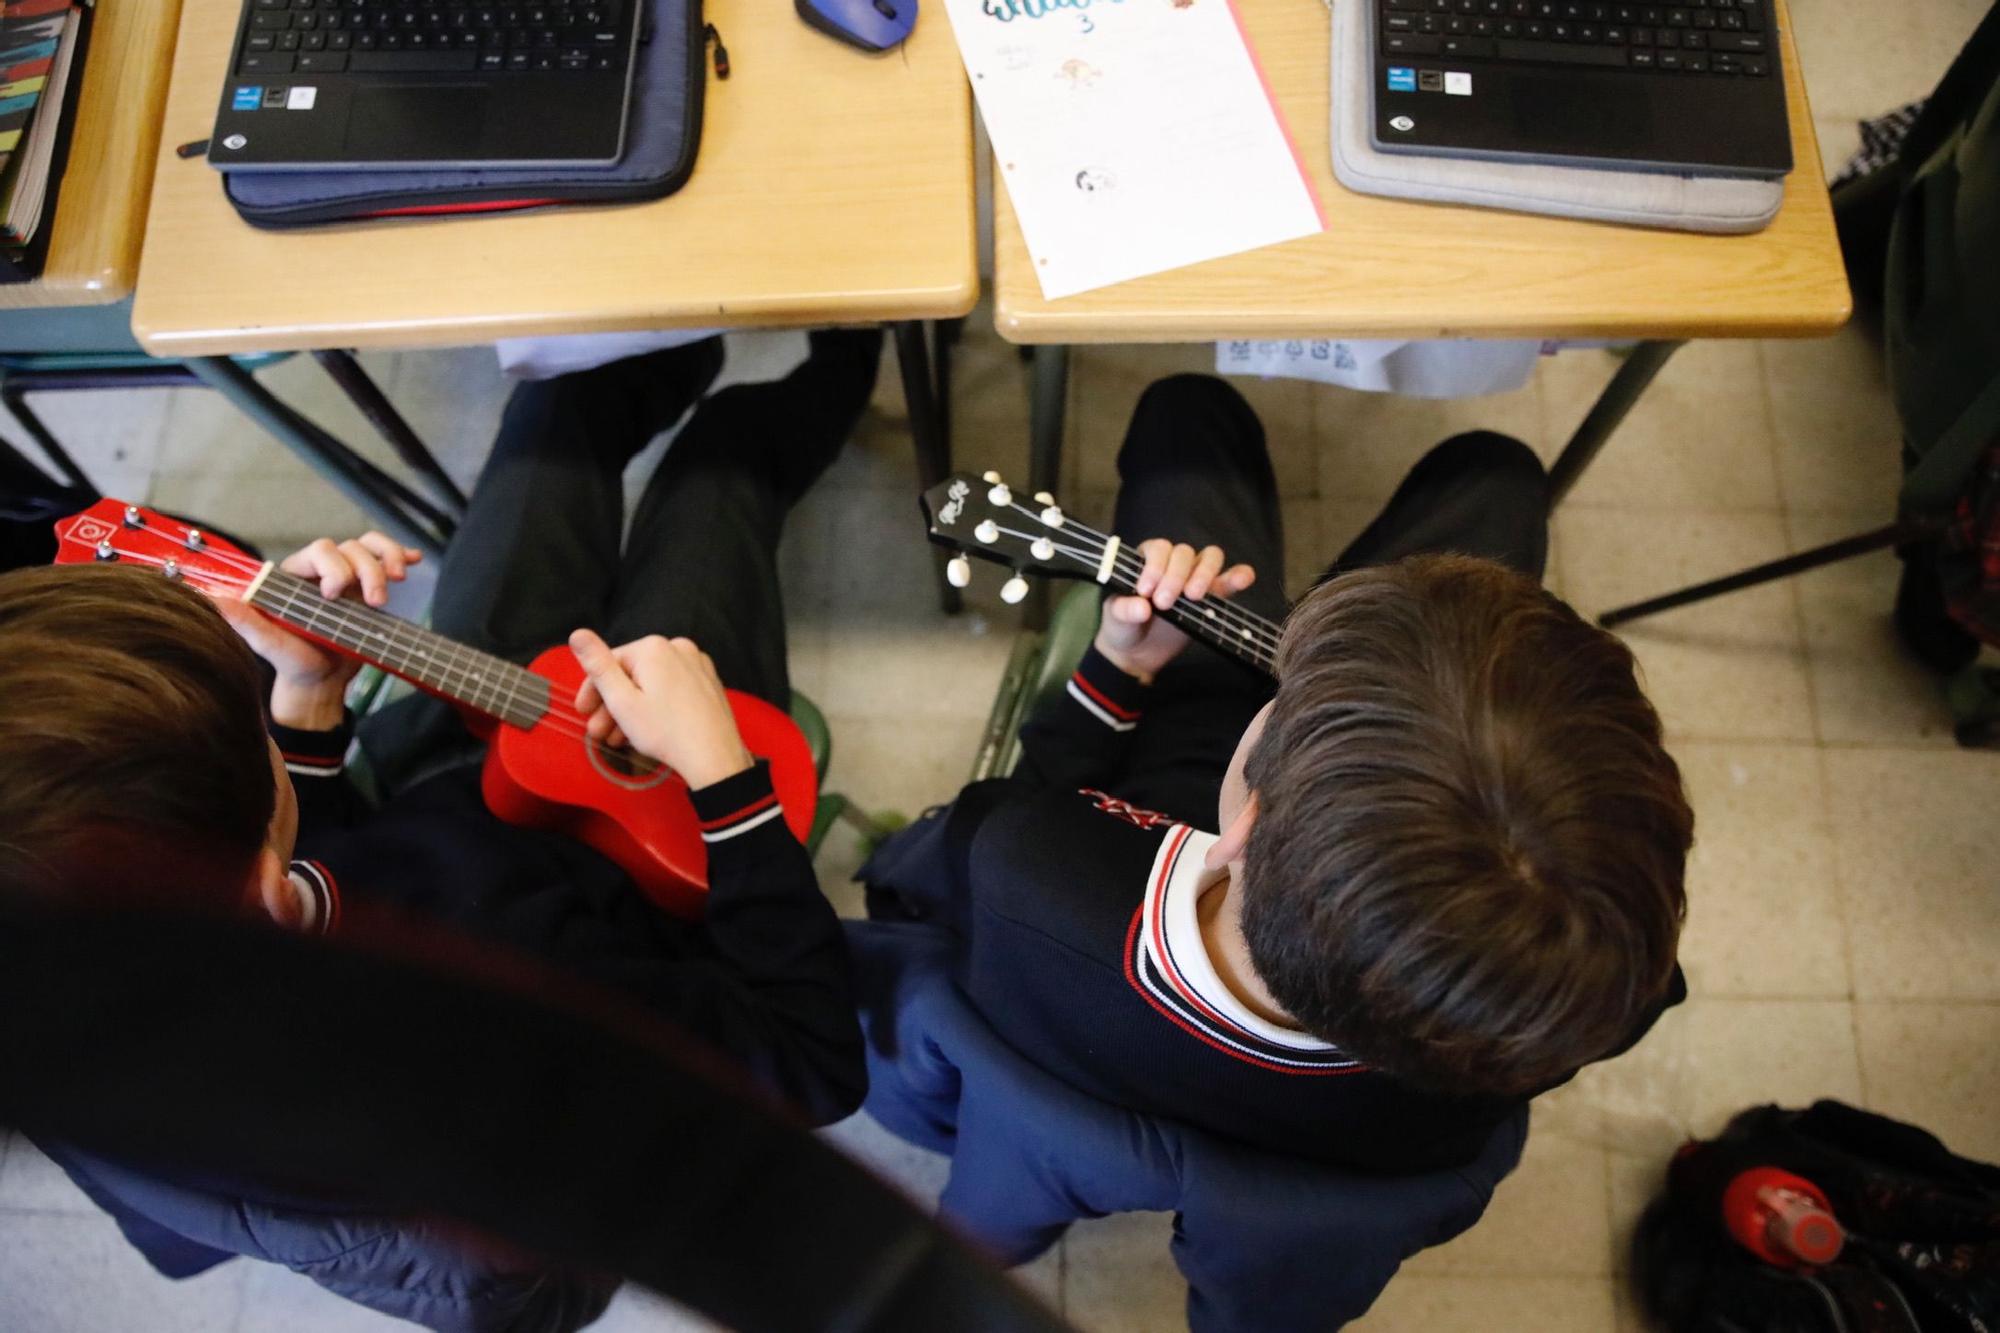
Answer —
763 981
1056 881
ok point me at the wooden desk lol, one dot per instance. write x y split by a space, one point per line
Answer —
831 187
1385 268
100 214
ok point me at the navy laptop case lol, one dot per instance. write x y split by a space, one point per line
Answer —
661 141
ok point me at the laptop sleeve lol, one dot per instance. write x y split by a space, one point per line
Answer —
661 141
1638 198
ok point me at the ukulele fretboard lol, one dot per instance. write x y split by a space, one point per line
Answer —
481 681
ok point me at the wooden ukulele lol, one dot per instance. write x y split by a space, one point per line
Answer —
984 517
541 769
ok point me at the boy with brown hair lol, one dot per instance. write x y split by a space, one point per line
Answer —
1447 863
143 756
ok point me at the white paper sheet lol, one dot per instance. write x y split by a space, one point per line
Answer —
1447 368
1133 136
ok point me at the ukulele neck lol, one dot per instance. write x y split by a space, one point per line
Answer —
1223 626
479 681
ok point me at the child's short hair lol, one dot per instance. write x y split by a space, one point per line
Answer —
1466 868
133 758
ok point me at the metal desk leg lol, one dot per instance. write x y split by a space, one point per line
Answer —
1644 362
345 371
920 393
1048 406
400 510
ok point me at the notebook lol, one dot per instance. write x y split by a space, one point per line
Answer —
40 68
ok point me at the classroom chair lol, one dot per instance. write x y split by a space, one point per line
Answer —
1267 1244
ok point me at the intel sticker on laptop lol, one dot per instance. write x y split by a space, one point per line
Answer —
247 99
1402 80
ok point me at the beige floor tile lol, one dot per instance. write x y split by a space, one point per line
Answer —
1120 1278
1730 669
273 509
1548 1217
453 398
1106 383
1866 686
1912 853
888 762
918 1174
1837 430
31 1182
113 435
1864 59
205 432
78 1275
1708 1059
1701 435
1491 1304
1761 871
1934 1064
1636 1179
1044 1276
1369 441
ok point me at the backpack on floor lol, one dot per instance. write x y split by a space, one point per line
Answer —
1921 1252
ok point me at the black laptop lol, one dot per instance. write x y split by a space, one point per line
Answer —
1692 86
375 84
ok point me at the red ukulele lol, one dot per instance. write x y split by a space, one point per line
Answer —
541 771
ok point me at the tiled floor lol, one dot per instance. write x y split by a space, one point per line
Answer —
1843 918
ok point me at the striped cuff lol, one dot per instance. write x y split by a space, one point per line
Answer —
1106 693
319 897
315 754
737 806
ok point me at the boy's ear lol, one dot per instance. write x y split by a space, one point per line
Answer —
1229 847
270 887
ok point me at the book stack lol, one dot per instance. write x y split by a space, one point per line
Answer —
41 44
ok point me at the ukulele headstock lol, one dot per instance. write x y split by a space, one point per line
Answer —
987 518
111 532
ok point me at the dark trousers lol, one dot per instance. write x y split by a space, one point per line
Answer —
1194 468
543 551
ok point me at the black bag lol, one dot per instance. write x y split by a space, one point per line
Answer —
1923 1234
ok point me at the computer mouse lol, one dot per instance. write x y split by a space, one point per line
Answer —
872 25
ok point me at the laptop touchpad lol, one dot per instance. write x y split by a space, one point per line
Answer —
417 122
1589 115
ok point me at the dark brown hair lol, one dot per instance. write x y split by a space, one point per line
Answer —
133 758
1466 868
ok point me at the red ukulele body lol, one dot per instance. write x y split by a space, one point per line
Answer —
541 770
544 778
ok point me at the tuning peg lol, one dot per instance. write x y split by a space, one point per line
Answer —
1014 590
991 476
195 541
1044 498
958 572
1000 495
1043 549
105 553
1052 517
988 531
133 518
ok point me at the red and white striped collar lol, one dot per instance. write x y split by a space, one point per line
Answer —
1170 964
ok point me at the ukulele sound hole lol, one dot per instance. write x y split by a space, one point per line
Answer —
625 767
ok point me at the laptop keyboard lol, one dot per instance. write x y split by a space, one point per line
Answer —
426 36
1692 37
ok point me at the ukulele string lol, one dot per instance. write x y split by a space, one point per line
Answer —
1244 642
503 695
303 600
1249 627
